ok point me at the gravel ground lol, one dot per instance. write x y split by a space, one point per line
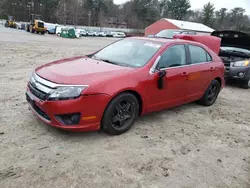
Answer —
185 147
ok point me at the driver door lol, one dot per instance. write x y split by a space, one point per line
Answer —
175 83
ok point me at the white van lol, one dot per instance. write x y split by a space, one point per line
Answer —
118 34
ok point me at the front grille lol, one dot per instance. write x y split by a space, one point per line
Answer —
227 65
41 24
37 109
39 94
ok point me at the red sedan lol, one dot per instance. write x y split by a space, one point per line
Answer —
110 88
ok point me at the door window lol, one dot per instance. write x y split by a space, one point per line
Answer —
198 55
174 56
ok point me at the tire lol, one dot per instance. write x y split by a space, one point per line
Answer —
42 32
121 114
211 94
246 84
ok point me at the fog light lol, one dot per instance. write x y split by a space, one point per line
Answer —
69 119
241 74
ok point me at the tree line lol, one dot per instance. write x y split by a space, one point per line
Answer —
136 13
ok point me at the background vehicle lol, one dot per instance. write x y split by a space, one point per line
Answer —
109 34
18 25
102 34
95 33
169 33
36 25
90 33
118 34
129 78
59 30
235 53
10 22
83 32
51 28
51 31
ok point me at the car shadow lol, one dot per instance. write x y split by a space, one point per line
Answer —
233 84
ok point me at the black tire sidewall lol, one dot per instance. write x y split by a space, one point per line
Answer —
245 84
106 120
204 100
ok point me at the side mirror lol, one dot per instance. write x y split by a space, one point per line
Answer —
161 74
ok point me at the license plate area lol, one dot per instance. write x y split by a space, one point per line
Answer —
36 108
29 100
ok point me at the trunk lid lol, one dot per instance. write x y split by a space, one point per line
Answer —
211 42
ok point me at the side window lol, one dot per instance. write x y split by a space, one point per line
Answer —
199 55
174 56
209 58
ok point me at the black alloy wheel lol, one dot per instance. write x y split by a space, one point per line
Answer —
211 93
120 114
246 84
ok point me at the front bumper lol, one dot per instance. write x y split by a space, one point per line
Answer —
235 73
91 109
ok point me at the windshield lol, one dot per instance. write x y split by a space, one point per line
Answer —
224 48
168 33
128 52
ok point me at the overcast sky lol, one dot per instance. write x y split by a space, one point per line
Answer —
197 4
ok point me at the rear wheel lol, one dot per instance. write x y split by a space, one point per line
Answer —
211 94
120 114
246 84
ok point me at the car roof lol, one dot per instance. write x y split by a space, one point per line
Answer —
211 42
165 40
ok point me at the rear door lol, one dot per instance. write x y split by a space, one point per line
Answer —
200 72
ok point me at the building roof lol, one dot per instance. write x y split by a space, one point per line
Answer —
190 25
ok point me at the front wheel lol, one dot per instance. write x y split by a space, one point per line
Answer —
246 84
120 114
211 94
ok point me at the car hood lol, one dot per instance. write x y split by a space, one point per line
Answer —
80 71
233 39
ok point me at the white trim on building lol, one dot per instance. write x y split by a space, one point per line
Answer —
190 25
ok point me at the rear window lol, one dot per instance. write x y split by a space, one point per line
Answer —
168 33
199 55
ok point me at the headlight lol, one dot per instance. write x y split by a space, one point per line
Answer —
66 92
241 63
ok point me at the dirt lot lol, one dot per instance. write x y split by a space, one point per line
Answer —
185 147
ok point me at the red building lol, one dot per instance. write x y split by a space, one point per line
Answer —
165 23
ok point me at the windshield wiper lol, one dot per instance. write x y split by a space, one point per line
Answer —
114 63
111 62
108 61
